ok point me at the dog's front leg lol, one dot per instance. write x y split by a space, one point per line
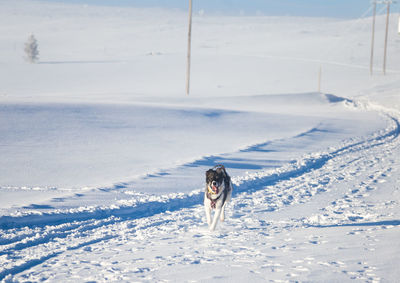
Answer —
208 214
215 219
222 217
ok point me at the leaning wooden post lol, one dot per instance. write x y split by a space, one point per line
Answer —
319 78
189 49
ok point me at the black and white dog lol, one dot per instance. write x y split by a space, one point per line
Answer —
218 192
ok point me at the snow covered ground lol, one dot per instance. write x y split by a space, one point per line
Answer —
103 156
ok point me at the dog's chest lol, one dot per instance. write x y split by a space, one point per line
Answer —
212 200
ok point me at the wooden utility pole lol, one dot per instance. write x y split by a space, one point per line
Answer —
387 2
189 49
371 63
386 36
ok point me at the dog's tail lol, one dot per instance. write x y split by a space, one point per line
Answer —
220 168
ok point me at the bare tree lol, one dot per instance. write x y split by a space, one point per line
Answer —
31 49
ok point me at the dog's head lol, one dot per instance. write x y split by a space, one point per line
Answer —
215 180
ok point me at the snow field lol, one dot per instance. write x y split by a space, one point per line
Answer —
267 225
102 159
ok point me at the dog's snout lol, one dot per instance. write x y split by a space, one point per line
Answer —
214 183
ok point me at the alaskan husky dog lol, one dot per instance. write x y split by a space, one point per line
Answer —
218 192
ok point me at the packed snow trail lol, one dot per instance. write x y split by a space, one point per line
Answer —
266 205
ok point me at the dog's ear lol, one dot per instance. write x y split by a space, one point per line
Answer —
209 175
221 171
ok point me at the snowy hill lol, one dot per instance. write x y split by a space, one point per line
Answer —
103 156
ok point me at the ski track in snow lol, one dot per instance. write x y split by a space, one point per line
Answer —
32 247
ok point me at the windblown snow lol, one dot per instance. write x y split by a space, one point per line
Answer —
103 157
